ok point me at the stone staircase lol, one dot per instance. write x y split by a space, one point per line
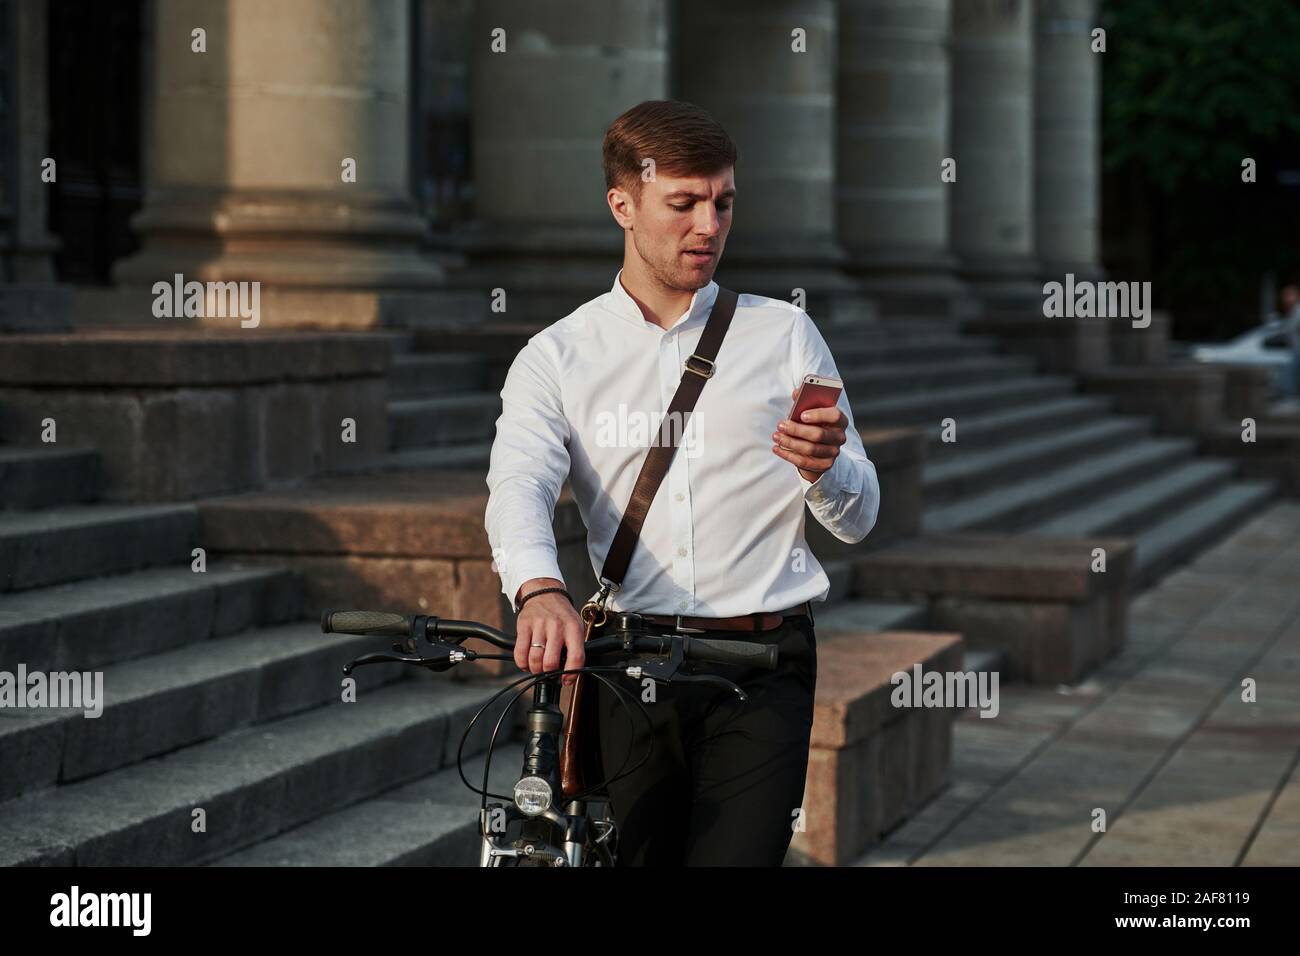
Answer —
1031 454
216 694
427 387
432 821
442 407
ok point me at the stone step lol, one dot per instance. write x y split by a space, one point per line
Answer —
461 455
1034 597
251 784
978 470
990 659
860 615
106 620
160 703
849 348
917 330
431 822
46 476
848 354
840 573
498 341
442 420
401 342
897 378
1177 538
848 800
437 373
1141 504
932 406
53 545
1003 426
1015 504
410 539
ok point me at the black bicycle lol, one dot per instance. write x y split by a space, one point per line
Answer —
528 829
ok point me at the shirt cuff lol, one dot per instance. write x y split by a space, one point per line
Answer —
523 566
826 487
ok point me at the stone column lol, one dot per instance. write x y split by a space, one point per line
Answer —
992 132
29 299
1067 89
247 144
544 86
767 73
893 121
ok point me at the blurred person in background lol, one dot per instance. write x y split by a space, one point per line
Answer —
1288 313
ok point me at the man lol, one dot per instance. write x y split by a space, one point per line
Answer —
723 537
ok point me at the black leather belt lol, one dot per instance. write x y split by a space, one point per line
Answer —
759 621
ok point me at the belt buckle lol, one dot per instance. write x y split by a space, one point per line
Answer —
681 628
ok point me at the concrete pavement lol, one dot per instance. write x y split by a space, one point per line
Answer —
1157 745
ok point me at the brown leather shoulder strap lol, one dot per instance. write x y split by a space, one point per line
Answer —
699 369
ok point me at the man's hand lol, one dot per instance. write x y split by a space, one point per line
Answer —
811 445
548 620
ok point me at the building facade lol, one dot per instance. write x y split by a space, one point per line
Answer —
928 155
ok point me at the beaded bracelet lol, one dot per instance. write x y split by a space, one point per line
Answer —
563 591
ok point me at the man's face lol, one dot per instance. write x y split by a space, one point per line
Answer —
1290 296
677 216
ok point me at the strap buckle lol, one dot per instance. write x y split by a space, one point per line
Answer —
701 359
596 605
682 629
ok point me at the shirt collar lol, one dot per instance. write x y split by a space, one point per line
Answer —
626 308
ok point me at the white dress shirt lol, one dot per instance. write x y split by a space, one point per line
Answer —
725 532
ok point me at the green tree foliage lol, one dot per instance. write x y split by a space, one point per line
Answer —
1193 86
1190 88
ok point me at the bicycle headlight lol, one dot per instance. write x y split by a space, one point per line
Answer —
533 796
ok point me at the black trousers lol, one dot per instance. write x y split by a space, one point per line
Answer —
725 779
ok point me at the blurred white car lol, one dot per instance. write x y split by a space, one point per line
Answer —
1268 345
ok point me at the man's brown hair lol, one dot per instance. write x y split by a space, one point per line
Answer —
681 138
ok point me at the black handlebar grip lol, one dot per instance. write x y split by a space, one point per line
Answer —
364 623
746 653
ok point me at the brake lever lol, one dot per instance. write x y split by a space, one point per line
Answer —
445 657
668 669
380 659
712 679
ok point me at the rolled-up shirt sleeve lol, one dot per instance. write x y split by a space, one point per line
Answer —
528 467
846 498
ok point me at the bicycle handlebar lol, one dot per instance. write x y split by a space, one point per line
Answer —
389 624
745 653
366 623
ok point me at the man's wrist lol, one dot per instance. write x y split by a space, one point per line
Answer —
532 584
825 485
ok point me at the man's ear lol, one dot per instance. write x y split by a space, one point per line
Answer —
620 206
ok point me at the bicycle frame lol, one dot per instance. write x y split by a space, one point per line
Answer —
548 836
542 760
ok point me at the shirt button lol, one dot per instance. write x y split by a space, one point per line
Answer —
681 606
681 552
680 496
